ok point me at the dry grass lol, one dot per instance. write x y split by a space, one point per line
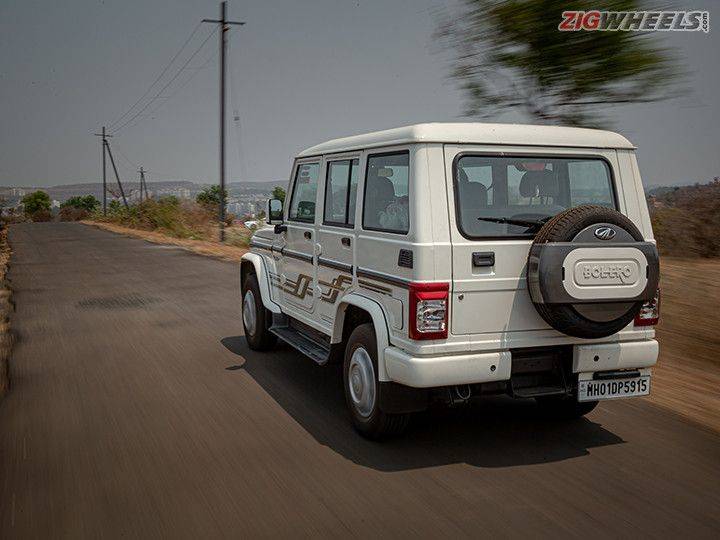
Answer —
6 307
211 248
687 377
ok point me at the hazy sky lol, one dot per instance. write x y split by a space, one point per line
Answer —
302 72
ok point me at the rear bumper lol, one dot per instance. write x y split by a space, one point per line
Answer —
612 356
449 370
428 372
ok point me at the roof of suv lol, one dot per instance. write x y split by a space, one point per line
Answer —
475 133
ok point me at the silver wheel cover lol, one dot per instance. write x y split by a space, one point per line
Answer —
249 313
361 382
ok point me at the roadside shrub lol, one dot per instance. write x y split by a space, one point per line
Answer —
36 201
41 215
70 213
88 203
175 217
210 197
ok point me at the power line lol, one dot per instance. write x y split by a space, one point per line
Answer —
165 99
172 60
157 96
237 121
122 155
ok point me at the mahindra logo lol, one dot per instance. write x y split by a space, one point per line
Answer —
605 233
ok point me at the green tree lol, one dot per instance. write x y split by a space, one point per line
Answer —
87 202
511 55
36 201
278 193
210 196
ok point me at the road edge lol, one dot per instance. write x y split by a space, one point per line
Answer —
200 247
6 308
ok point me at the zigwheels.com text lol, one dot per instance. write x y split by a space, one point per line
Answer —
641 21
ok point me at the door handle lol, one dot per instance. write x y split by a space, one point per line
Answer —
486 258
345 241
308 235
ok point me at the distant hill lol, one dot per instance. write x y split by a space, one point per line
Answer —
686 219
184 188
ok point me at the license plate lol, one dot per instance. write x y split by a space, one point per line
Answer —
595 390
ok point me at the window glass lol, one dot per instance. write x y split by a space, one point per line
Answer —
340 192
353 191
336 189
386 193
302 205
525 188
588 183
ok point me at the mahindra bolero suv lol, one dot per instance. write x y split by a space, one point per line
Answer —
443 262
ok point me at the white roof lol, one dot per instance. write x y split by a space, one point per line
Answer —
476 133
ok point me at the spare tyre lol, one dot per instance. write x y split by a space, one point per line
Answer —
590 271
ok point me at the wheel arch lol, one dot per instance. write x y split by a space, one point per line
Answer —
354 304
252 263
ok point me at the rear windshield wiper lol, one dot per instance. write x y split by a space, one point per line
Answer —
531 224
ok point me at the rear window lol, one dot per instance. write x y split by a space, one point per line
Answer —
528 189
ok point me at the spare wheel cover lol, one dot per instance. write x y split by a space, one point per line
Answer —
590 271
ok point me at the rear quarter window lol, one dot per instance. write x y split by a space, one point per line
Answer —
387 185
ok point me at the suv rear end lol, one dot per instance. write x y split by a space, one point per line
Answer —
496 340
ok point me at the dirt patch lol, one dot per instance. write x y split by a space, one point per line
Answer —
6 307
687 376
202 247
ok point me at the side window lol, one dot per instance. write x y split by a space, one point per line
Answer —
340 192
302 203
386 205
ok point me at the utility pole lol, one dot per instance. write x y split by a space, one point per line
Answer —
117 176
103 143
224 24
143 184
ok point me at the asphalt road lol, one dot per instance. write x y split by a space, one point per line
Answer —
138 411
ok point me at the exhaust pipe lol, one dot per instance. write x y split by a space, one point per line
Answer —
460 394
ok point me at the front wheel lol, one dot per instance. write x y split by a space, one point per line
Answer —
362 387
256 319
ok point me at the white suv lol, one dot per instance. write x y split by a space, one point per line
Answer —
442 262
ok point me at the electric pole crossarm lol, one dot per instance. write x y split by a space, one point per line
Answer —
218 21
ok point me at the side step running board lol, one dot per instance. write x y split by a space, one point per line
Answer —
319 352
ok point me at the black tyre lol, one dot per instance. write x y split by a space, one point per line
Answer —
256 319
362 390
565 408
594 320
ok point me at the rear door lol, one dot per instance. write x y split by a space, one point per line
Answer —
489 259
336 234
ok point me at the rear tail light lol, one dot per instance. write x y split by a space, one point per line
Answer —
649 312
429 310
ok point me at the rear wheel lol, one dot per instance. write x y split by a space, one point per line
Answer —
362 388
256 319
564 407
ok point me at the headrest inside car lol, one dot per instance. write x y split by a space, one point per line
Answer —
538 184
